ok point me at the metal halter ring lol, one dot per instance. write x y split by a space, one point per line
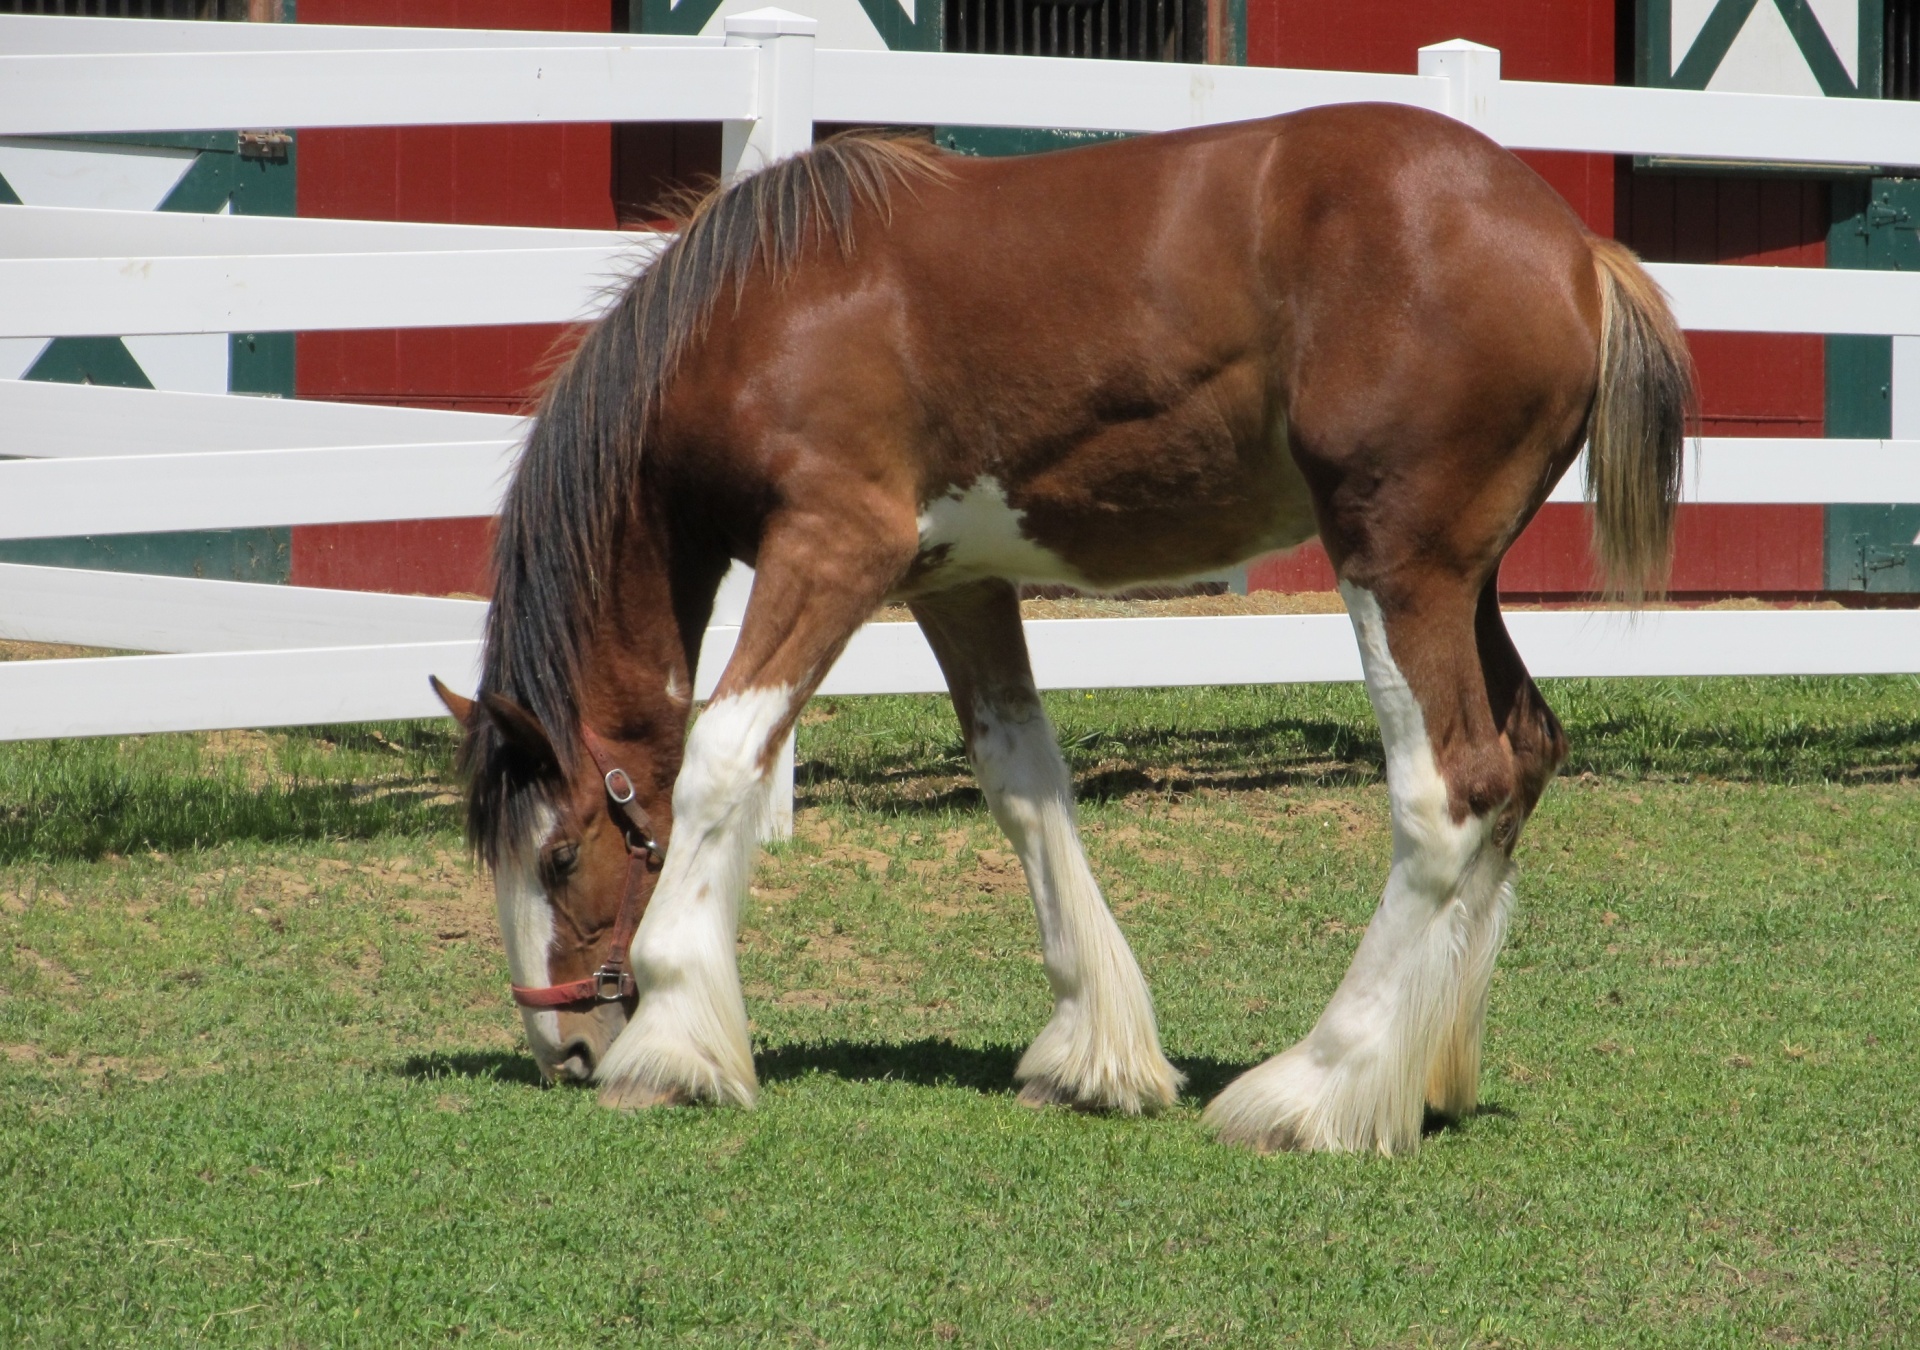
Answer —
610 984
625 781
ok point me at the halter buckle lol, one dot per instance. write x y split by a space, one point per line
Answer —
610 986
625 785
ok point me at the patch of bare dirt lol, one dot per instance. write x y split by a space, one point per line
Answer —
87 1066
49 651
996 872
253 751
1317 602
1180 606
446 892
58 975
873 859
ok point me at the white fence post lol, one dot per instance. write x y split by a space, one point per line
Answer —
1472 72
783 109
1904 394
783 126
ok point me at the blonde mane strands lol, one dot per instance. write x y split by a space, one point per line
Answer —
580 474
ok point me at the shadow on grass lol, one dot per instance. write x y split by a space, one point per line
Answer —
498 1066
1433 1122
1111 766
932 1062
85 799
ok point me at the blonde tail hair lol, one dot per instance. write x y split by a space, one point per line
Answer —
1636 433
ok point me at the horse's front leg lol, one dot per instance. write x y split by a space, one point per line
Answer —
1101 1050
816 582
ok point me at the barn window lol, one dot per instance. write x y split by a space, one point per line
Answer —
258 11
1123 30
1900 50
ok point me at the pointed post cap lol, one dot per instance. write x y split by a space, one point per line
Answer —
1458 45
771 22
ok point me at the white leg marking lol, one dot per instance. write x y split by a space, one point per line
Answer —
526 926
688 1037
1102 1048
1358 1080
1453 1080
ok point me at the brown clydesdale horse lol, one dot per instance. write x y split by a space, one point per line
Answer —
879 373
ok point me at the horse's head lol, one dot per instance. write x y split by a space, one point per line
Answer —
575 853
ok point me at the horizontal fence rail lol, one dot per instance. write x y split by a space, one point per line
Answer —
1754 472
51 35
79 297
199 91
83 232
449 276
134 612
135 494
140 694
75 421
934 88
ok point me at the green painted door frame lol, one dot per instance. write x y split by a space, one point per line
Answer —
1870 546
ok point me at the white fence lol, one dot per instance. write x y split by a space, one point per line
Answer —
101 461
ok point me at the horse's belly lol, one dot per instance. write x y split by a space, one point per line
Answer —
1107 534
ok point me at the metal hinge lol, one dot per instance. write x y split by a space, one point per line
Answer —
1881 214
267 145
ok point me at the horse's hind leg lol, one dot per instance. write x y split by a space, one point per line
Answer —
1415 993
1532 735
817 581
1101 1050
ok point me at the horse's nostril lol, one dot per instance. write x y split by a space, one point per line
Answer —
576 1062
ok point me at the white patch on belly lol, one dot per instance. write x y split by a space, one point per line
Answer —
982 536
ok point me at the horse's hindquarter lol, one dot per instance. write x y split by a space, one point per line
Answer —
1441 338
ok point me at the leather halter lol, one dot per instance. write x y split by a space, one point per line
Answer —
613 982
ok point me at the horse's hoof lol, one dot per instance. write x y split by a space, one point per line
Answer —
1293 1104
1146 1099
1037 1094
638 1096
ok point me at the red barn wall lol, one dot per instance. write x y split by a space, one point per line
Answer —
1568 41
476 175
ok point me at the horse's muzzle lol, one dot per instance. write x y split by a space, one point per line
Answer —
584 1040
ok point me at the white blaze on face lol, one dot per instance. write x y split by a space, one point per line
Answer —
983 536
526 926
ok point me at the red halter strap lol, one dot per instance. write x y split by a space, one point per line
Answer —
613 981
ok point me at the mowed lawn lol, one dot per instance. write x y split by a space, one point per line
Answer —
260 1082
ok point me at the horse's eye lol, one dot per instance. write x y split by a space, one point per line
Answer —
561 860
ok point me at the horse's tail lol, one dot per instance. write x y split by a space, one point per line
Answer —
1636 433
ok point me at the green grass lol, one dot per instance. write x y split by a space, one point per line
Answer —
259 1082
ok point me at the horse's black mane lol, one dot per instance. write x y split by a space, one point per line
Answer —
580 473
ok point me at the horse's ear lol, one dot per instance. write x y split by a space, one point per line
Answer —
461 708
521 730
